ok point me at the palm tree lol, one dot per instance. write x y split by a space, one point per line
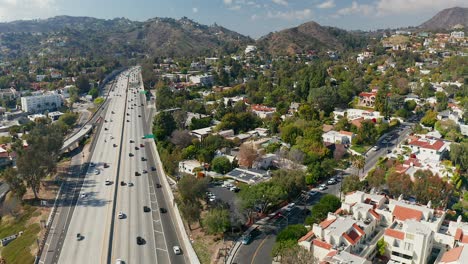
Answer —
358 162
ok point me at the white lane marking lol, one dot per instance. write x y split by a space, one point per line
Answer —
165 250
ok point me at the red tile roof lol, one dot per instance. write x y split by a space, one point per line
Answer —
395 233
458 234
413 161
325 223
352 237
322 244
262 108
358 229
403 213
307 236
374 214
452 255
437 145
367 94
346 133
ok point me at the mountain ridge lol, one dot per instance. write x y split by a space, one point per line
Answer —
447 19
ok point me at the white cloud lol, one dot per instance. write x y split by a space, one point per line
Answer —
327 4
291 15
195 10
388 7
227 2
235 7
356 8
26 9
280 2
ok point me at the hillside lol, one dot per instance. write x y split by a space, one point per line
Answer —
447 19
119 37
310 36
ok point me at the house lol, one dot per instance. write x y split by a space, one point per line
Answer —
262 111
205 79
428 149
367 99
55 75
353 114
250 49
341 137
9 94
189 166
40 77
249 176
202 132
457 34
211 61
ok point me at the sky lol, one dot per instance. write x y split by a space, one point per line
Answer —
254 18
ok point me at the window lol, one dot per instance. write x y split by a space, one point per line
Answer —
408 246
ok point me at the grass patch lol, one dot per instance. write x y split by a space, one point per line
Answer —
360 149
202 251
19 250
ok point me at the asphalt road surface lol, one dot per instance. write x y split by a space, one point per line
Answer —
93 211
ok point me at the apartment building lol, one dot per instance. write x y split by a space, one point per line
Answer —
413 233
40 103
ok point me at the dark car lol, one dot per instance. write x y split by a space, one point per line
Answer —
163 210
139 115
146 209
106 128
153 168
106 165
112 112
140 240
122 183
115 145
130 154
158 185
79 237
142 146
136 148
128 120
128 114
137 173
143 159
145 171
131 141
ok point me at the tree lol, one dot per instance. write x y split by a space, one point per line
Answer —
216 221
191 210
258 197
82 83
430 187
358 162
459 155
399 183
351 183
181 138
289 252
191 188
74 94
429 119
292 232
163 125
293 181
247 155
197 123
221 164
376 178
69 119
381 247
94 92
328 203
290 132
40 157
10 176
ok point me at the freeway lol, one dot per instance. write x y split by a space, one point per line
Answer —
155 227
92 215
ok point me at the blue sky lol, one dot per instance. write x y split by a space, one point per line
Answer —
250 17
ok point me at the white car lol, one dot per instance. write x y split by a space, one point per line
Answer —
119 261
177 250
322 187
121 215
96 172
83 195
290 207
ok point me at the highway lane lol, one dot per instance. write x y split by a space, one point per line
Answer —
93 210
132 199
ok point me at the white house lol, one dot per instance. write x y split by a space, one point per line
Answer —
427 149
250 48
457 34
205 79
189 166
38 103
342 137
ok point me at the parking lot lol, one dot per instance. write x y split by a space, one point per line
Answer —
229 197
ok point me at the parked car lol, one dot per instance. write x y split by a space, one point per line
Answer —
246 239
290 207
322 187
331 181
312 193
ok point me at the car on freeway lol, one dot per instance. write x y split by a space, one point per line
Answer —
130 184
146 209
143 159
132 141
136 148
79 237
119 261
322 187
142 146
176 250
140 240
153 168
145 171
130 154
163 210
158 185
115 145
83 195
92 164
106 165
139 115
106 129
96 172
128 120
108 182
137 173
122 183
121 215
